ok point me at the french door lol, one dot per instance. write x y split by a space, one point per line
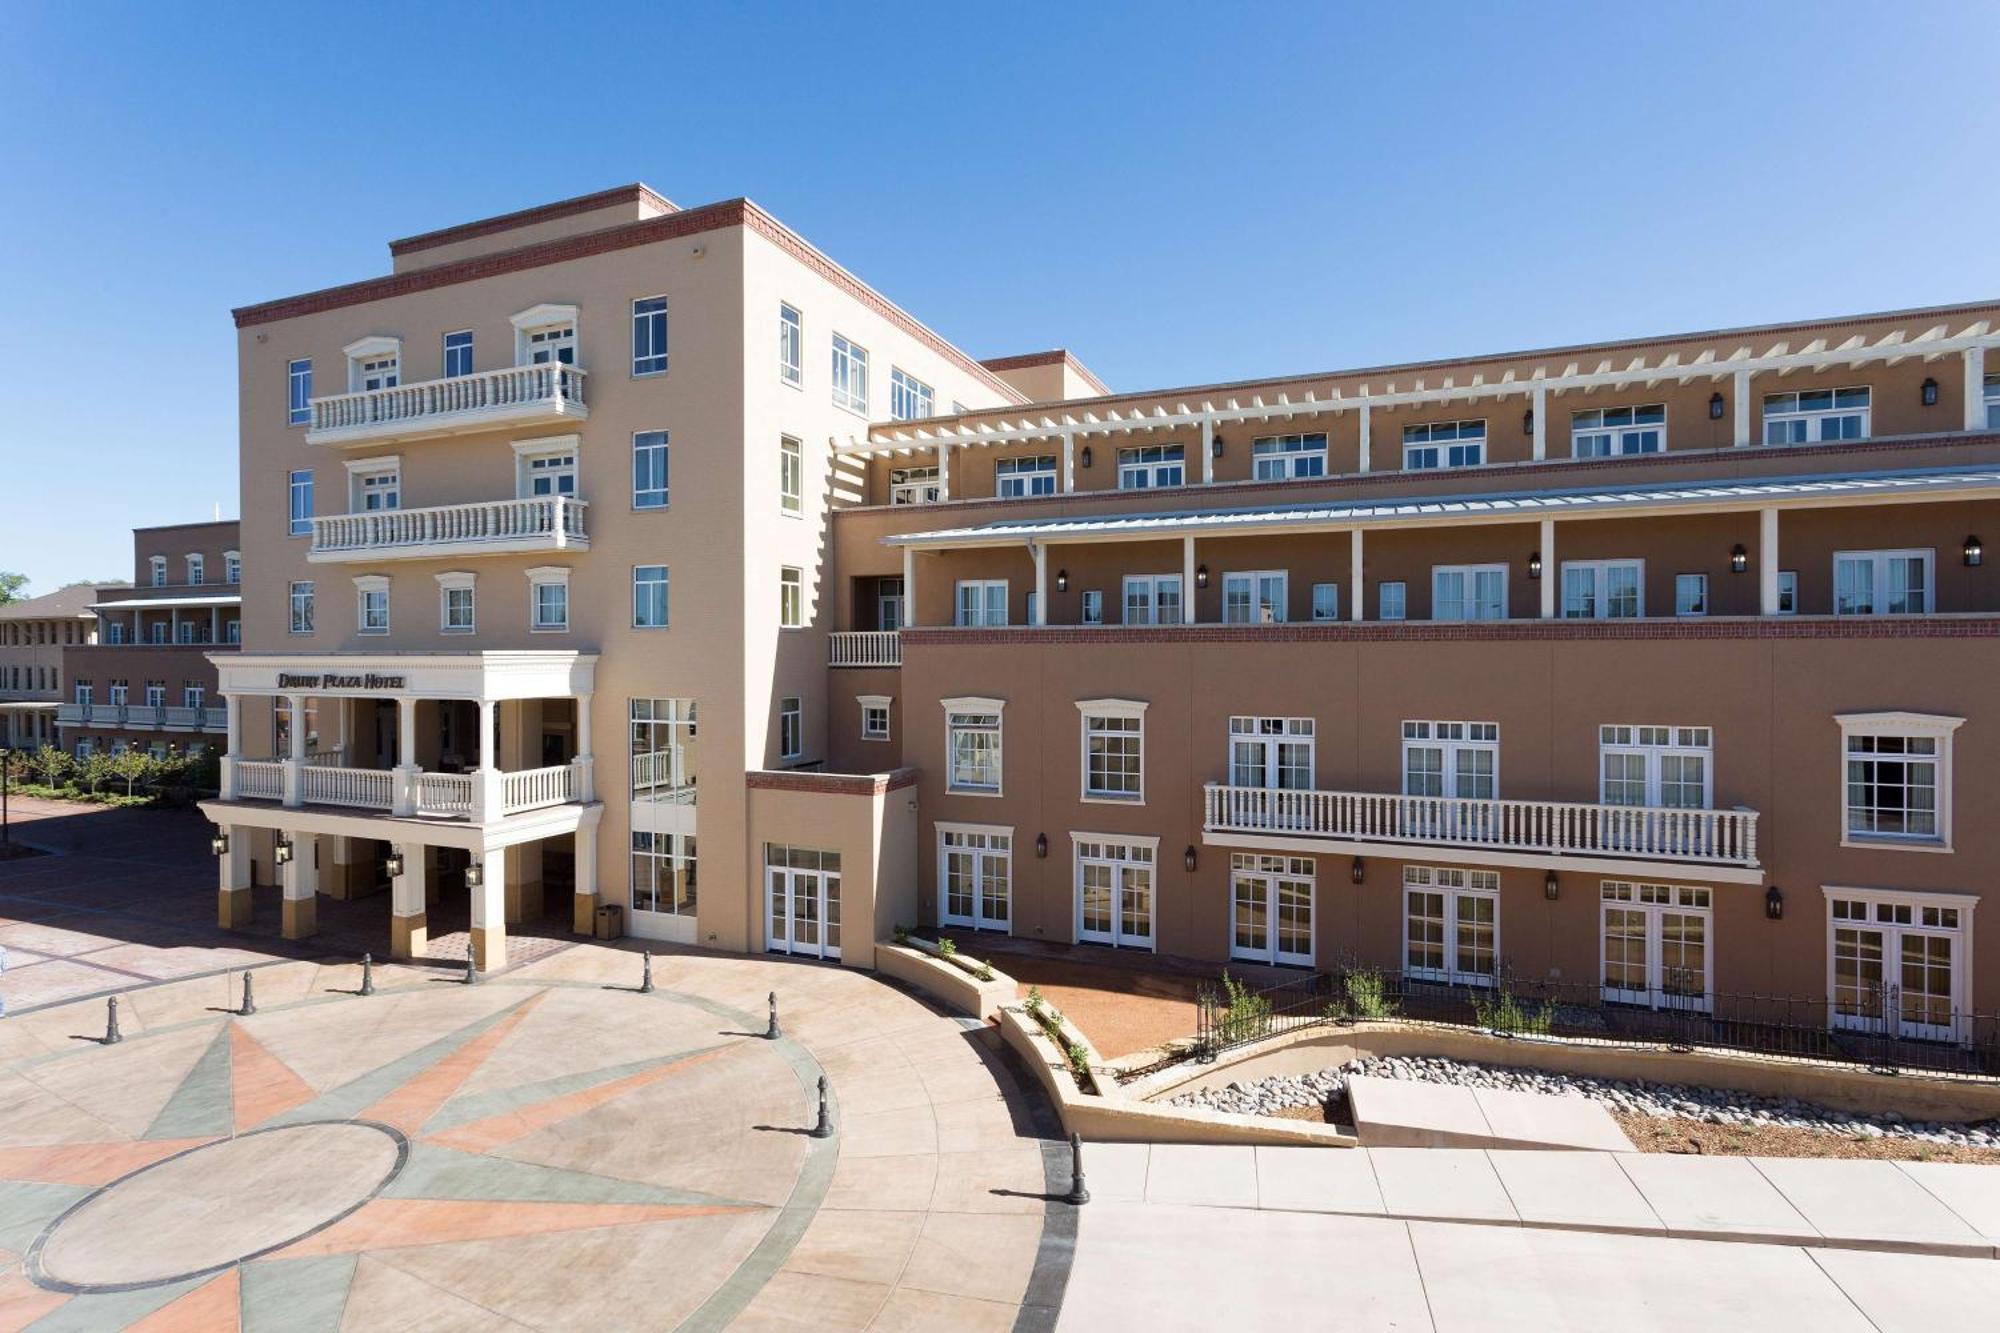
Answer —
1897 966
975 870
1656 945
1271 909
802 913
1114 894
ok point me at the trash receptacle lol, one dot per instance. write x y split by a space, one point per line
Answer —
610 921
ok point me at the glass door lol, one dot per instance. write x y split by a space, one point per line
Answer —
802 913
975 867
1272 909
1114 887
1656 945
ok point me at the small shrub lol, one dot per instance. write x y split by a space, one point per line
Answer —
1079 1059
1368 996
1246 1015
985 972
1034 1003
1504 1013
946 948
902 934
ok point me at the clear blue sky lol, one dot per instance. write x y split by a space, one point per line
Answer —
1177 193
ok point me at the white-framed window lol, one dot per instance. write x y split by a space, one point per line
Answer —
1610 432
972 745
1392 600
1274 752
1655 944
663 873
374 363
1114 889
791 597
914 486
374 485
299 392
649 469
120 689
649 597
1271 908
548 599
1288 457
1254 597
1444 444
1451 925
301 598
1468 592
1030 600
1898 962
1813 415
299 487
1883 583
1114 750
1326 601
232 631
1147 466
1788 592
662 734
1017 478
791 476
1690 594
156 694
1670 767
1896 788
193 695
232 567
791 727
157 569
1993 402
545 337
875 713
1603 589
458 354
791 346
456 605
1456 759
889 604
850 375
197 570
83 690
980 603
545 471
371 596
158 631
1152 599
976 875
1093 606
649 335
910 399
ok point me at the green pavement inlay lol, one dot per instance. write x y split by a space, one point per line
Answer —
445 1173
203 1105
26 1206
296 1295
463 1110
97 1311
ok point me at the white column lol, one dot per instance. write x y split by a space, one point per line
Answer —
1041 554
586 778
489 909
944 471
409 909
232 895
488 792
1364 437
1208 449
1541 410
295 758
584 912
1356 589
232 707
1550 573
300 877
1975 388
215 624
1187 581
1741 393
404 795
1767 562
1068 461
910 587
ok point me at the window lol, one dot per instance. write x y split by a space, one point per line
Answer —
301 492
457 354
158 631
1392 600
548 599
649 336
193 695
1326 601
1602 590
914 486
1271 902
791 598
1455 759
156 694
158 565
197 570
1469 592
1655 944
1254 597
909 397
1690 594
791 475
1273 752
232 631
889 604
1152 599
874 716
1030 600
369 373
545 472
1898 777
119 690
662 734
649 469
980 603
972 746
850 375
83 689
1093 606
299 392
1288 457
372 604
1114 745
975 876
1451 924
1882 583
1609 432
1151 465
649 597
1897 962
1815 415
1668 767
1788 592
455 603
1114 890
232 568
791 728
1993 402
548 344
375 487
663 875
1444 444
1015 478
791 346
302 608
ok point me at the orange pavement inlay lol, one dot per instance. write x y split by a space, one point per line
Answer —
416 1101
387 1224
494 1130
22 1302
87 1163
215 1305
262 1084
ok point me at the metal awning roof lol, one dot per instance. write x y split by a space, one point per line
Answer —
166 603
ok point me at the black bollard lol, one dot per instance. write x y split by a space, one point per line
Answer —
367 974
249 999
646 976
771 1033
111 1034
824 1129
471 969
1079 1193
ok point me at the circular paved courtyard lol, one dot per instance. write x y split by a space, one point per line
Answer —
547 1149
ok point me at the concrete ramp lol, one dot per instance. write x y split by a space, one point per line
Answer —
1400 1113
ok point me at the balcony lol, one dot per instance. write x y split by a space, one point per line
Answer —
143 717
864 648
546 394
1540 833
489 527
457 796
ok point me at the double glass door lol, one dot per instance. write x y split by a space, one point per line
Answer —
1115 894
1271 908
802 902
1656 945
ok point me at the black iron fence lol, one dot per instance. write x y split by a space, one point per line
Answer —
1876 1026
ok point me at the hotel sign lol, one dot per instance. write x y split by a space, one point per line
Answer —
331 681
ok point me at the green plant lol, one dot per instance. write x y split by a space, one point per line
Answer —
1368 996
984 972
131 768
1079 1059
1034 1003
1504 1013
902 934
1245 1015
946 948
54 765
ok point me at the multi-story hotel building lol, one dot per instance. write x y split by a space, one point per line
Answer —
1648 666
145 679
33 634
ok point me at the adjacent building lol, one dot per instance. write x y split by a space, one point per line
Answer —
34 632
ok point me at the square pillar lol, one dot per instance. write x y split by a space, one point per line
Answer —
300 876
295 757
1187 581
1041 554
1208 449
1551 574
1767 562
232 708
909 587
409 905
233 909
403 793
1975 388
944 471
489 924
1357 590
1540 408
585 782
1364 437
584 910
1741 393
1068 462
524 883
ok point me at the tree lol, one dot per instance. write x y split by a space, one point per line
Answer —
54 765
11 585
96 769
131 766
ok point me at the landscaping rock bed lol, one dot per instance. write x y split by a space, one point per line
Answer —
1716 1106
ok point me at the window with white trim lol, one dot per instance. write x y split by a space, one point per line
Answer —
193 694
120 689
649 336
889 604
1690 594
874 716
156 694
83 691
1603 589
1456 759
1441 444
972 746
371 604
791 728
158 569
1152 599
1451 925
1468 592
547 472
197 570
548 599
1611 432
1326 601
301 598
791 597
1813 415
1114 750
1897 778
549 343
980 603
232 567
1993 402
1788 592
1883 583
1271 908
976 876
458 354
791 346
1392 600
649 469
1654 944
1288 457
1274 752
1148 466
662 734
1254 597
1670 767
299 392
914 486
649 597
1018 478
850 375
1898 963
1093 606
1114 890
376 371
663 873
791 476
300 490
456 606
910 399
374 487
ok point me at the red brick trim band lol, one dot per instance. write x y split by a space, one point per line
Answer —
584 203
830 784
1512 631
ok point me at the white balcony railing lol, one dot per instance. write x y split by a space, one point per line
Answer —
147 717
260 779
550 391
369 788
539 523
865 648
444 794
1721 837
533 788
321 780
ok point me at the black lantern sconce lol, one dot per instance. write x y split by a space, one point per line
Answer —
1975 551
1774 903
392 864
1083 456
1534 564
1062 580
1551 886
1201 576
1041 846
283 853
1528 422
1930 393
475 875
1187 858
1358 871
1715 406
1739 559
219 844
1215 447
